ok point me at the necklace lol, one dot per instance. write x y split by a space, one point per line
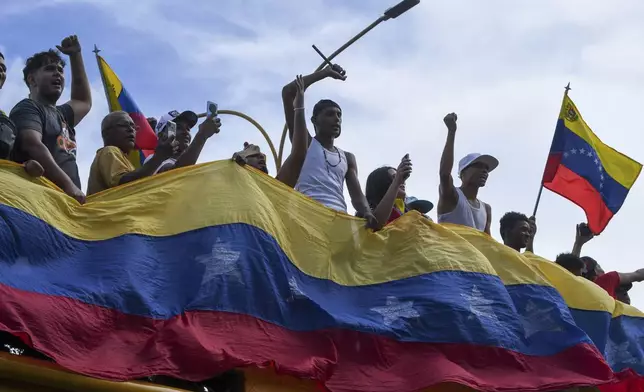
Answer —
326 159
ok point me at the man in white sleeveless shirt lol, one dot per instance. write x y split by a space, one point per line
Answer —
461 205
326 167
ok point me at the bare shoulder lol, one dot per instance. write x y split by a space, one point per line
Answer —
351 159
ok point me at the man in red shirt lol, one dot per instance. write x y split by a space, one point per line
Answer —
609 281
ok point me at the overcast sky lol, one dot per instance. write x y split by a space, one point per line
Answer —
501 65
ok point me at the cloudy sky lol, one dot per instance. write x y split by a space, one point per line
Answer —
500 64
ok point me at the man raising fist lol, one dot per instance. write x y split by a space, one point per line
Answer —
45 132
461 205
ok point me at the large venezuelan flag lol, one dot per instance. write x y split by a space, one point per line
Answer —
247 272
119 99
586 171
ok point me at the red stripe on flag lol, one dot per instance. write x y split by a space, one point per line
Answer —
575 188
146 139
196 345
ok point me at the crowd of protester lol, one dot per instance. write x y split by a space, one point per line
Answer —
41 135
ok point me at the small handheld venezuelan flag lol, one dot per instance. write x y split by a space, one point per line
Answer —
586 171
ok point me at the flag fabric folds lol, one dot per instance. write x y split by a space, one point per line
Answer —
203 269
583 169
119 99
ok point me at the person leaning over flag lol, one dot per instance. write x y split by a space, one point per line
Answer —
45 132
326 167
613 282
460 205
111 166
8 131
188 150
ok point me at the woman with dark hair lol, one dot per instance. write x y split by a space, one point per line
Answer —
385 191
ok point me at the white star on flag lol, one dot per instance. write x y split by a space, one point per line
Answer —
222 260
590 154
574 151
596 161
617 354
582 151
394 309
565 154
479 305
538 319
296 291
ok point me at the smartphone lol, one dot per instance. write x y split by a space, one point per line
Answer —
171 129
211 109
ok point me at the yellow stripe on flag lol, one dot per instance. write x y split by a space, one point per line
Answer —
621 168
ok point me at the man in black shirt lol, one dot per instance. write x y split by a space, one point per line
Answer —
45 132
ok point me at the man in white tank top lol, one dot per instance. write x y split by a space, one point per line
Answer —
461 205
326 167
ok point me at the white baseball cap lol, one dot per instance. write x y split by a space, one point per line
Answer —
475 157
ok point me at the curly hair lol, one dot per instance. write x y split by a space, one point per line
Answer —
39 60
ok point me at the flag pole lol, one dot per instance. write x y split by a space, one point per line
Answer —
536 204
100 71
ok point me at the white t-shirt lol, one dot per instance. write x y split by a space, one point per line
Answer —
169 161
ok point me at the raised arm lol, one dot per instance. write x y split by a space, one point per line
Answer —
207 129
290 91
81 94
447 193
383 209
290 171
583 235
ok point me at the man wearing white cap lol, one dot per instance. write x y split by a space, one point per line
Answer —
460 205
187 153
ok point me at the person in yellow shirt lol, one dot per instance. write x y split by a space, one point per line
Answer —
111 167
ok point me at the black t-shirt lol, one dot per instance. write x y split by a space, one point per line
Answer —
58 134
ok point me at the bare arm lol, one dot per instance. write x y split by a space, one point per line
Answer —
386 205
207 129
81 94
447 193
631 277
488 223
290 171
32 145
358 199
583 235
146 170
290 91
533 232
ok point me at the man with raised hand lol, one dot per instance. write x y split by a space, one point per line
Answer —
326 167
188 150
45 132
460 205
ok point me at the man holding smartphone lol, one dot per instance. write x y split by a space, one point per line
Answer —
187 150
